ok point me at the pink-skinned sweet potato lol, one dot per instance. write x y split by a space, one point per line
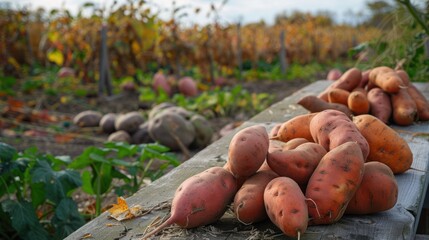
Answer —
200 200
377 192
298 163
249 204
334 183
332 128
247 151
286 206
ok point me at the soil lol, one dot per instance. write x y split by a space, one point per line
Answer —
22 132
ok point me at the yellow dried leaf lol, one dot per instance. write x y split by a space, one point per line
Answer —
86 236
121 211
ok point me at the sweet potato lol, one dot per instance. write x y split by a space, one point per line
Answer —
358 102
334 183
160 83
248 203
386 78
334 74
315 104
422 103
200 200
380 104
296 127
298 163
332 128
404 108
247 150
294 143
286 206
377 192
274 130
386 145
348 81
338 95
365 79
188 87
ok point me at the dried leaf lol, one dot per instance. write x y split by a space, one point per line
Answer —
86 236
121 211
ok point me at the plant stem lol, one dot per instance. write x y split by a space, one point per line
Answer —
415 14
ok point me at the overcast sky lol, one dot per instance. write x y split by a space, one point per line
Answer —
233 11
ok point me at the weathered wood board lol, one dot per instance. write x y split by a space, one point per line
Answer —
398 223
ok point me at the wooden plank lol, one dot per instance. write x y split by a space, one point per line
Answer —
398 223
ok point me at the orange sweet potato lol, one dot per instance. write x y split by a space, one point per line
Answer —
296 127
334 183
348 81
358 102
422 103
315 104
286 206
385 144
200 200
338 95
298 163
404 108
377 192
332 128
248 203
247 151
386 78
380 104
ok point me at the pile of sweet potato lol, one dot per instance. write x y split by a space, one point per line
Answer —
310 170
382 92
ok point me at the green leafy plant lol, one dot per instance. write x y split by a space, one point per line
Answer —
121 161
225 102
35 195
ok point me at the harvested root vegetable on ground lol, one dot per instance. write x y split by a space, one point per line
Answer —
286 206
404 108
315 104
107 122
338 95
172 130
129 122
422 103
348 81
385 144
200 200
247 151
87 118
249 204
334 183
332 128
386 78
380 104
296 127
358 102
298 163
377 192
